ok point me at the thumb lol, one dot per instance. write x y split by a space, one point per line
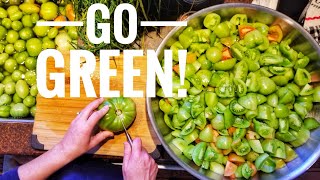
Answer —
126 153
95 140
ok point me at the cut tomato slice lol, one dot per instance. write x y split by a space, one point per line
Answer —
230 169
244 29
226 54
275 33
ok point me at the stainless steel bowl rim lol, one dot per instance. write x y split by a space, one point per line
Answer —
293 174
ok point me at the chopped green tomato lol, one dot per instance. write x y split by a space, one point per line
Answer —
188 151
224 142
281 111
300 110
217 77
217 168
206 134
251 114
264 112
265 163
241 123
279 163
188 127
225 64
240 70
230 169
238 173
168 121
225 88
183 114
196 109
311 123
253 82
205 165
218 122
200 121
261 99
283 125
179 143
251 157
263 130
241 147
239 133
249 101
222 30
252 135
169 105
211 21
211 99
228 118
294 88
290 153
198 153
239 19
220 108
285 137
285 95
306 90
302 136
302 77
191 137
255 145
316 94
267 86
236 108
240 86
295 122
246 171
214 54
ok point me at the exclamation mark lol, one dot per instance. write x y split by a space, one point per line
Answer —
182 54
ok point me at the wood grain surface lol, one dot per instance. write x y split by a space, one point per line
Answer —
54 115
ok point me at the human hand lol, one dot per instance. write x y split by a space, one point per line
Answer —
137 163
79 137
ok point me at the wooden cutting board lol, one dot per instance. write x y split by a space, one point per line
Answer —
54 115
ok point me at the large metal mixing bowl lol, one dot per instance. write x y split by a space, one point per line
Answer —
309 152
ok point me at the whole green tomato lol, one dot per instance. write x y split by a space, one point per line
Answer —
6 22
31 63
3 32
26 21
16 25
41 31
48 45
20 45
12 36
34 46
3 13
31 78
49 11
120 109
26 33
22 56
10 65
9 49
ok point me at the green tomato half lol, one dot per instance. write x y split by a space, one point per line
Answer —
120 109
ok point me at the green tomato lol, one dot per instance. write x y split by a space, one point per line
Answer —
34 90
22 89
3 13
26 33
214 54
12 36
31 63
267 86
10 88
33 110
3 58
73 33
225 65
49 11
120 110
9 49
22 68
53 32
6 79
16 25
224 142
5 111
34 46
21 57
1 78
10 65
6 22
49 44
19 110
20 45
29 8
5 99
12 9
35 18
41 31
29 101
218 122
31 77
26 21
16 75
16 98
16 16
222 30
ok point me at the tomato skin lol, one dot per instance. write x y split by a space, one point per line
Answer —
34 46
120 109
